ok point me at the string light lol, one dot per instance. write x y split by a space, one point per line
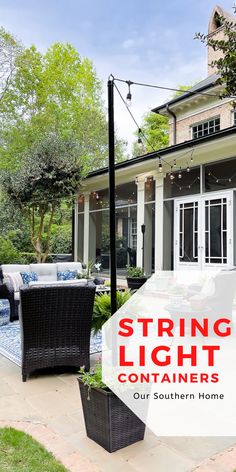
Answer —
221 179
188 169
171 175
129 95
139 136
180 174
160 165
174 162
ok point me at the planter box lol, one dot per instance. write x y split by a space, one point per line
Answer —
134 283
108 420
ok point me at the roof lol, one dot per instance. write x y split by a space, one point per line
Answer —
209 82
162 152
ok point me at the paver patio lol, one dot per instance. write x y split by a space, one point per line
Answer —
49 408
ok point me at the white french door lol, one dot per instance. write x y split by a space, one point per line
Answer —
203 231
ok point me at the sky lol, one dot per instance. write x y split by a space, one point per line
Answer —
144 41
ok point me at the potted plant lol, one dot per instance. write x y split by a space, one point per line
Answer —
108 421
135 277
86 271
102 308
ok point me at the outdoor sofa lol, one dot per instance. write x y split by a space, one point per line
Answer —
60 273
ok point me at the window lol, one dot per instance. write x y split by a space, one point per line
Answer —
205 128
234 118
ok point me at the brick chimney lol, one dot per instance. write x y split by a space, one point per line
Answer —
216 30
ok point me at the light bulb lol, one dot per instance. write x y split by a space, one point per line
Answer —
188 169
128 99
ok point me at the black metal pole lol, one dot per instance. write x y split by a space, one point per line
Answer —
143 227
112 206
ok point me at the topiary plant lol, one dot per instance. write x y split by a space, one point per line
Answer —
102 308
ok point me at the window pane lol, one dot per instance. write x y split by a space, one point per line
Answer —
215 231
220 176
189 184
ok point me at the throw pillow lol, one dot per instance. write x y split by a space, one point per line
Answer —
29 277
67 275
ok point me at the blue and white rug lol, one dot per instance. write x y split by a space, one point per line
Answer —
10 342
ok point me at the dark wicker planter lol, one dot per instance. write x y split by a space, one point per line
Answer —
108 421
134 283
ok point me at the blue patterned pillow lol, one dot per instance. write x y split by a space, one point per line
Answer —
28 277
67 275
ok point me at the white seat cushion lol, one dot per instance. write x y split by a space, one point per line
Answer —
59 282
15 280
45 272
9 268
63 266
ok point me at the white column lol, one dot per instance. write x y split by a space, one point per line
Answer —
140 219
76 231
159 179
86 228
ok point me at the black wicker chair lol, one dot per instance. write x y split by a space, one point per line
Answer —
55 327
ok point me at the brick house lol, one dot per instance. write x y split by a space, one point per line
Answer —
189 208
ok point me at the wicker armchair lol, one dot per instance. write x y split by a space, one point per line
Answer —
55 326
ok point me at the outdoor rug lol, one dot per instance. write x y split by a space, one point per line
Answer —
10 343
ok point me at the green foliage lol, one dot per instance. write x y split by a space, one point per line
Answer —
182 88
50 171
93 379
8 253
226 64
134 271
61 241
57 92
156 129
10 48
19 452
102 308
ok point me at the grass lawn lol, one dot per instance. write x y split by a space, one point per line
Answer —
19 452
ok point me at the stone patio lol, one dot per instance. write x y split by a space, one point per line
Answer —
49 408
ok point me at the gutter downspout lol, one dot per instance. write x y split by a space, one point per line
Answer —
174 123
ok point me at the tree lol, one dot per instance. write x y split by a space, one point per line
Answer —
10 48
226 64
55 92
156 129
50 171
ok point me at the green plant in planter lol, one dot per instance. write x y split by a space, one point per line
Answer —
92 379
86 273
108 420
135 271
102 308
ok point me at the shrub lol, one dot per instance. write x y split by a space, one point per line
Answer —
135 271
61 242
102 308
8 253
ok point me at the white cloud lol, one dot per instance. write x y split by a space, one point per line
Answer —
128 43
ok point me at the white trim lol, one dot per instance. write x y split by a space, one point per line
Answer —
200 199
76 231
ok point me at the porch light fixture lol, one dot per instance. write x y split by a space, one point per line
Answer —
160 165
129 95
